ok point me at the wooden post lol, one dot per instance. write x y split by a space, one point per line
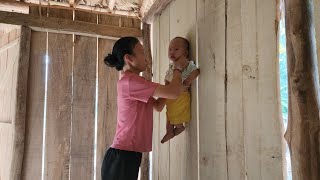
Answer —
304 124
147 75
147 50
20 115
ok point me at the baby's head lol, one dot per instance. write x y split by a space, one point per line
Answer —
178 47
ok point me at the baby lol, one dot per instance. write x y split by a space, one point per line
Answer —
178 110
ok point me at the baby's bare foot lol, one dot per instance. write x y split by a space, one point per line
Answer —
167 137
179 130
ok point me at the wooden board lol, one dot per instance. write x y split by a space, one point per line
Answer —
253 123
212 117
270 128
155 156
107 103
63 25
59 98
20 92
234 89
83 107
32 162
105 19
9 57
6 143
183 149
131 23
164 149
317 28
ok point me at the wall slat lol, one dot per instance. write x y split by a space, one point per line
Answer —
83 105
59 98
107 103
32 162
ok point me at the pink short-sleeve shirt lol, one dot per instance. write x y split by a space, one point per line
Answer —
135 113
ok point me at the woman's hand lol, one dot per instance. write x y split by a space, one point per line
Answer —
177 64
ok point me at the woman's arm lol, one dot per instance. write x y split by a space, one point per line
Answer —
172 90
159 104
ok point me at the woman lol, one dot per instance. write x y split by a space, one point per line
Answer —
135 109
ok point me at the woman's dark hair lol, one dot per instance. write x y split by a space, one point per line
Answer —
122 47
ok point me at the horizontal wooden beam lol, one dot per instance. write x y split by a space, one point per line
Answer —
16 6
157 7
66 25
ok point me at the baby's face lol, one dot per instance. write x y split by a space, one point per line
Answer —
176 49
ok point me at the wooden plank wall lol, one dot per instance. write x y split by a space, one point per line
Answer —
317 28
32 163
107 97
75 63
9 41
237 133
59 98
83 106
9 57
176 159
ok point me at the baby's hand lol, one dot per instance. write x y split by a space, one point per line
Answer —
187 82
184 88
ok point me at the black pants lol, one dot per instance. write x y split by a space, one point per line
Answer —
120 165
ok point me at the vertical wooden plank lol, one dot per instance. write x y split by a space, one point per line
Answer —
183 148
83 107
269 112
212 125
155 156
147 74
234 101
21 59
9 58
317 28
107 103
32 162
250 63
164 149
260 101
6 144
59 94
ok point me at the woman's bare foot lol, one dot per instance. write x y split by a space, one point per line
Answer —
179 130
167 137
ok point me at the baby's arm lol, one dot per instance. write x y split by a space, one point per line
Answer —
193 75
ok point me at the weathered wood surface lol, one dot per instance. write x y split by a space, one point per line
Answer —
183 152
156 9
83 106
65 25
6 144
19 121
9 58
155 156
303 129
240 135
32 161
107 103
59 99
145 163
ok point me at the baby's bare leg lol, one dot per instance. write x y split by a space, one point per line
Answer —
179 129
170 133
